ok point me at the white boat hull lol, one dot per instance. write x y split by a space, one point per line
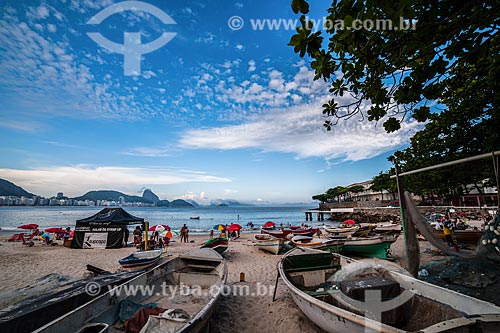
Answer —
334 319
270 244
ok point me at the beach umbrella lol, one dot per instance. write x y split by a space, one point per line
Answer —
55 230
159 228
234 227
28 226
219 227
269 224
349 222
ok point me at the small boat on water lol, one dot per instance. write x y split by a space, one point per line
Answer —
139 260
330 245
219 244
194 217
268 243
203 272
332 296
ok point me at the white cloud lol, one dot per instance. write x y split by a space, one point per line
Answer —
251 66
42 12
149 151
239 47
199 198
230 192
21 125
51 28
299 131
76 180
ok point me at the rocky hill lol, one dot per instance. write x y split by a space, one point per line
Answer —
10 189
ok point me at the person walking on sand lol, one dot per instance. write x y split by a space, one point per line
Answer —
181 232
186 234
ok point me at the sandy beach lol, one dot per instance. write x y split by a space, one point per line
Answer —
22 266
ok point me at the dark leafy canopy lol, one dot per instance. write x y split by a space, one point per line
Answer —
450 54
383 182
339 192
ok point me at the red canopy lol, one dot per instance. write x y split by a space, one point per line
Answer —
56 230
234 227
28 226
269 224
349 222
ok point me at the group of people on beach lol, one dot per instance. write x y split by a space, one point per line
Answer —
448 225
184 234
155 241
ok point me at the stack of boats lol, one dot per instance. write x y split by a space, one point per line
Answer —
283 232
366 241
273 239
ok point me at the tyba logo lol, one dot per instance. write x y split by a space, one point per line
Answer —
132 48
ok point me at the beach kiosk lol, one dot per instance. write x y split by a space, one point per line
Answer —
104 230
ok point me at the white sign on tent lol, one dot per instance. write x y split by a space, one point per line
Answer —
95 240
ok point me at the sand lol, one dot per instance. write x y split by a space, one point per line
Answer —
22 266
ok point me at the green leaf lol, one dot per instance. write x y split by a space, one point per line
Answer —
392 125
300 6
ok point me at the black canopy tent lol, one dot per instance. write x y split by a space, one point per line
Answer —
106 229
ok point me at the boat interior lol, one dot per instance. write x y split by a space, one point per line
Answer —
423 309
184 285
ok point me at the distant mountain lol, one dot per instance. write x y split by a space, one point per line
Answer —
10 189
163 203
179 203
227 203
192 202
150 196
111 196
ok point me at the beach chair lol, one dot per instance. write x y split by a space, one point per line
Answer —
17 238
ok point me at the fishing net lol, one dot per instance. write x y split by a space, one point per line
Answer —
426 230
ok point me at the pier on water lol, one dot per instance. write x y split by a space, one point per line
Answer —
320 214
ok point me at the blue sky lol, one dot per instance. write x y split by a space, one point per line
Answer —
216 113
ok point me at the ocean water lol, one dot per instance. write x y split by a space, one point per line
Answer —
46 217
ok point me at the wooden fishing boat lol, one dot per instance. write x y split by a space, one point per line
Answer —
139 260
284 232
463 236
330 245
305 231
372 246
203 272
219 244
38 306
346 231
268 243
410 305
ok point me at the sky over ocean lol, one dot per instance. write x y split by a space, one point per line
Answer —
197 100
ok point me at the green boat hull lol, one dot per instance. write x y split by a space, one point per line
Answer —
220 249
379 250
